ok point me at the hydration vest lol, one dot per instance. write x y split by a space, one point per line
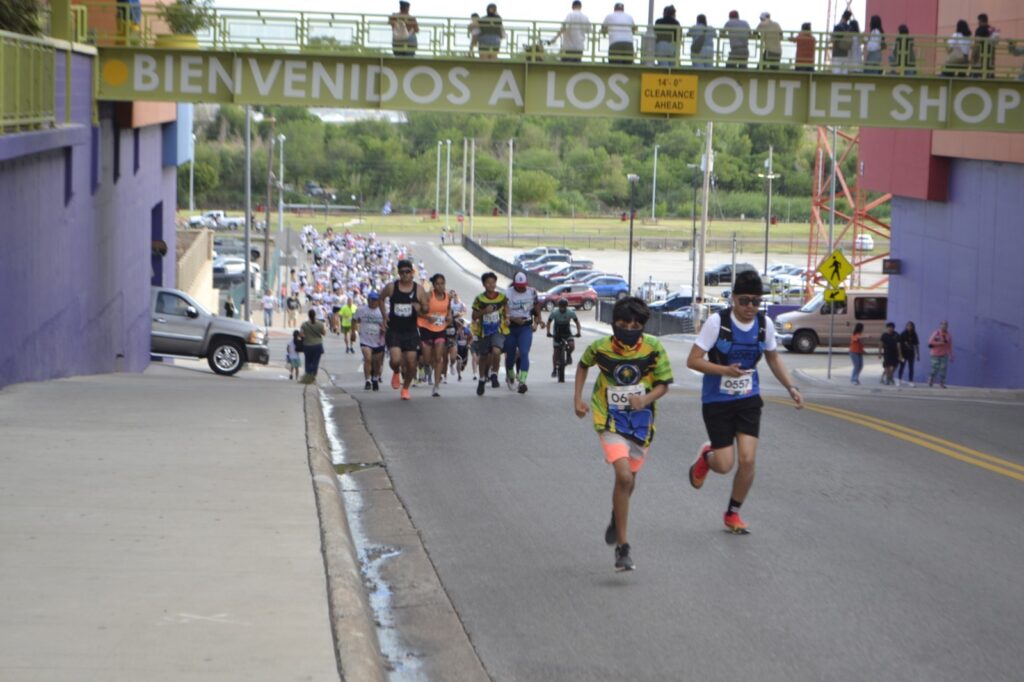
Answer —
719 354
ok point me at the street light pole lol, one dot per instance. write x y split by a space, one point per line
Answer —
472 184
448 186
509 197
633 179
437 182
248 207
280 184
770 175
708 164
465 158
654 184
192 177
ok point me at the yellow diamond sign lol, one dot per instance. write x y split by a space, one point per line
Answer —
835 295
835 269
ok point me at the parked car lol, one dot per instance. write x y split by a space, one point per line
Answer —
805 329
574 275
536 253
722 274
775 269
591 277
544 262
578 295
706 310
864 242
181 326
794 276
610 286
555 270
681 299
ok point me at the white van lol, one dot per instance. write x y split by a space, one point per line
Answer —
805 329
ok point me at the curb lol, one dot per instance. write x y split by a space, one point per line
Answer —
352 625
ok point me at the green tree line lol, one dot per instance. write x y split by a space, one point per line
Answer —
560 165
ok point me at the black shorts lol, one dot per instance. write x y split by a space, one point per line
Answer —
429 337
726 419
464 352
408 342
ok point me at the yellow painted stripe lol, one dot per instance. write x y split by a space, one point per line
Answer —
933 443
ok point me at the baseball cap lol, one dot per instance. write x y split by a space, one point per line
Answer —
519 281
374 296
619 6
765 15
734 14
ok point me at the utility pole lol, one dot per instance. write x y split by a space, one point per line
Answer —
192 177
472 184
465 157
633 179
437 183
280 184
654 184
708 163
448 186
266 281
248 207
770 175
509 196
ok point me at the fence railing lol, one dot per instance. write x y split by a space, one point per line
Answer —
27 82
533 41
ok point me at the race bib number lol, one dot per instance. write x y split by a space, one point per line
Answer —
618 396
492 318
403 309
437 320
738 385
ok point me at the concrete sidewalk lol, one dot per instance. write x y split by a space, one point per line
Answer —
160 526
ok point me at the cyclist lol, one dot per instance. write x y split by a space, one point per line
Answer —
524 318
562 319
490 325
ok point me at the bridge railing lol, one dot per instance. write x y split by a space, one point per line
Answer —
27 82
527 41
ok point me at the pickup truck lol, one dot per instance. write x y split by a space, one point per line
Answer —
181 326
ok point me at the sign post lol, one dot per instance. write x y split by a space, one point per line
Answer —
834 269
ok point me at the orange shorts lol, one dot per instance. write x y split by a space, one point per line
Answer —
616 447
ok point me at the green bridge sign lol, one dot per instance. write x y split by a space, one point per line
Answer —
325 80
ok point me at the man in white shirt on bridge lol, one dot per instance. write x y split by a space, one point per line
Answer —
573 34
619 27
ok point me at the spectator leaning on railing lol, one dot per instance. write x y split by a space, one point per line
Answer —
770 34
667 32
902 59
619 27
573 34
737 31
805 45
702 43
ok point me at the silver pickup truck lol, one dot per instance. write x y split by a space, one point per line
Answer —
183 327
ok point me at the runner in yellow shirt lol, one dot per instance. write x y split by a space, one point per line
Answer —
347 311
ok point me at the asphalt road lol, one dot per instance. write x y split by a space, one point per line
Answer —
885 544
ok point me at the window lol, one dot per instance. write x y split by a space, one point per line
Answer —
171 304
135 151
870 307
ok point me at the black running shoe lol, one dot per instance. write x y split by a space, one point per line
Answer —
610 536
494 381
480 386
522 388
623 562
554 373
367 386
375 384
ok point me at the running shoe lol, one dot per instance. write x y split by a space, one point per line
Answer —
367 386
480 386
494 380
522 388
610 536
405 394
396 381
623 562
554 373
699 468
510 381
375 384
734 523
436 393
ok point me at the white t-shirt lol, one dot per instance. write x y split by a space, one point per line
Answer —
574 31
708 336
520 304
371 321
619 26
268 302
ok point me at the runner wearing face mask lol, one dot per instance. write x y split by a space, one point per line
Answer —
634 373
524 318
727 352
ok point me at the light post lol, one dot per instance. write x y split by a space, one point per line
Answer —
192 177
266 226
633 179
437 182
769 175
248 208
509 197
280 184
654 184
358 201
448 186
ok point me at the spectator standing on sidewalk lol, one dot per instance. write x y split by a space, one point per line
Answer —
292 306
910 350
857 353
889 351
269 303
940 347
313 333
229 307
292 355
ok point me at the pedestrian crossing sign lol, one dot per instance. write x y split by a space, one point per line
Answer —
837 295
835 269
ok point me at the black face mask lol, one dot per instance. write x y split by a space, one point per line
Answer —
627 337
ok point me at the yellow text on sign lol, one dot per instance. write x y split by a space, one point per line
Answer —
835 268
664 93
835 295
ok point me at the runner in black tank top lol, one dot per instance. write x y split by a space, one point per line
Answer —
402 338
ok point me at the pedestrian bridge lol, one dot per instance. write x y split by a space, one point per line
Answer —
347 60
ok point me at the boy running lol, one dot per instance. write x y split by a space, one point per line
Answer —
634 373
490 326
734 341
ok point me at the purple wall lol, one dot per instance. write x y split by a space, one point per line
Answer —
962 262
76 264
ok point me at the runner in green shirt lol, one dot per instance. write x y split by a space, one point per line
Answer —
347 311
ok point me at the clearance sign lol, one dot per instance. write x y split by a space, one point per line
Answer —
325 80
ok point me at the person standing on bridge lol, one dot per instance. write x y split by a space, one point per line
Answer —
770 33
702 43
667 32
634 373
619 27
733 342
573 34
738 33
492 32
403 31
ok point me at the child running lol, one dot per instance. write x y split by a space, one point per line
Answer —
734 341
292 355
634 373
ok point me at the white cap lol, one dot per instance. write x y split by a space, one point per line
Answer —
765 15
520 278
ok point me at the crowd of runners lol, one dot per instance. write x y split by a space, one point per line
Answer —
426 334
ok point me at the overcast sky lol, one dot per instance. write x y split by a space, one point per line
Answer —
788 13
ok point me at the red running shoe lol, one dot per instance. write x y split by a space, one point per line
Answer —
699 469
396 381
734 523
405 394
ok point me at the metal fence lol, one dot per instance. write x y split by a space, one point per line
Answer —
659 324
502 266
27 82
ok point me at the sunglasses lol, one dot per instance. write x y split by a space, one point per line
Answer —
748 300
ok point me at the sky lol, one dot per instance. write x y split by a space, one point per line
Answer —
789 13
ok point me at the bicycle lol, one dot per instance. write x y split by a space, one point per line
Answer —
561 355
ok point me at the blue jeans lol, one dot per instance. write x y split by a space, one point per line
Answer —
520 336
313 354
268 317
858 364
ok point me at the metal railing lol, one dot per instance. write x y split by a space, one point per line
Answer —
27 82
530 41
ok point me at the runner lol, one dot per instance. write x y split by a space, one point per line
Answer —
524 317
463 340
734 342
634 373
345 313
562 320
405 298
433 321
369 320
490 326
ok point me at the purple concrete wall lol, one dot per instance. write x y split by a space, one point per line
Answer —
76 264
962 262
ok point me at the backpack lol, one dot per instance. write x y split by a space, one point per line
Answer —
719 354
842 40
697 45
